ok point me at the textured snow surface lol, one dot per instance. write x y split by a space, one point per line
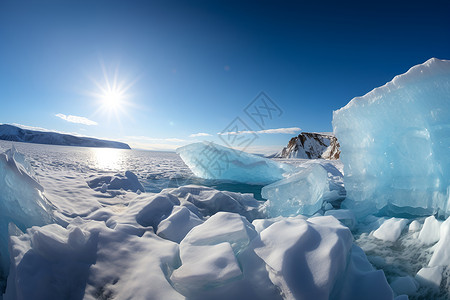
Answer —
211 161
395 141
190 242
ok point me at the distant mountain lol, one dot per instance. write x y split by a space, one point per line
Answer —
311 145
17 134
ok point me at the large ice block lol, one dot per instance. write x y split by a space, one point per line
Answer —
395 144
21 200
212 161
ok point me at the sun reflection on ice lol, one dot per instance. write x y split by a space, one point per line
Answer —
107 158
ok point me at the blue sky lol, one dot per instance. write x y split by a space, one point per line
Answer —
184 68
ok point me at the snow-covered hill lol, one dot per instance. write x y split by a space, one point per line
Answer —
17 134
311 145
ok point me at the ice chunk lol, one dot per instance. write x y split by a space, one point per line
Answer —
414 226
390 230
178 224
430 231
394 144
328 206
304 258
21 200
205 267
50 262
211 161
210 201
156 209
222 227
430 277
441 255
315 259
129 181
301 193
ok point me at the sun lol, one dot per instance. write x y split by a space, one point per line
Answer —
112 95
113 99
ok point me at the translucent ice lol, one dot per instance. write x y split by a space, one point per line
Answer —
21 199
301 193
395 141
211 161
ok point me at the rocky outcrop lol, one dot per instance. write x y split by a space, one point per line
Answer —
311 145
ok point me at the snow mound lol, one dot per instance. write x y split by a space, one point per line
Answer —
110 184
394 144
209 201
212 161
308 259
21 200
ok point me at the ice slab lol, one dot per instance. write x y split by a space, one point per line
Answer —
430 277
414 226
212 161
441 255
430 231
222 227
178 224
391 229
301 193
394 144
21 200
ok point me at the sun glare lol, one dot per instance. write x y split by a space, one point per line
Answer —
112 99
112 95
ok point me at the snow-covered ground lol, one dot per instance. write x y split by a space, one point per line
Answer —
168 242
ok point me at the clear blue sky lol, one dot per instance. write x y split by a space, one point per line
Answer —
192 67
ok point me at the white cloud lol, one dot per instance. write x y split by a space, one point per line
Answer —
290 130
76 119
199 134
